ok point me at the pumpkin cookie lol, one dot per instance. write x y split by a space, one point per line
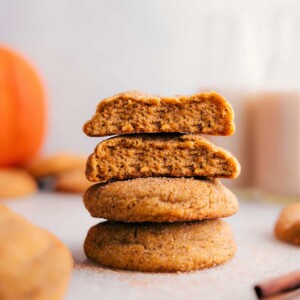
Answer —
16 183
160 247
34 264
135 112
156 155
160 200
287 227
55 164
73 181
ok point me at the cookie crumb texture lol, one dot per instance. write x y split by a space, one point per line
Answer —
136 112
160 247
158 155
287 227
160 200
34 264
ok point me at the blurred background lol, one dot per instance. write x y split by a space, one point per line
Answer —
248 51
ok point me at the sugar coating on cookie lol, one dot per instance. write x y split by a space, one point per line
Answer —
16 183
34 264
136 112
156 155
287 227
160 247
160 200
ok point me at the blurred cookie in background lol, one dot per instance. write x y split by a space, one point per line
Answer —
55 164
64 172
73 181
34 264
287 227
16 182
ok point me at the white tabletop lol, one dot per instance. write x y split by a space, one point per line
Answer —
259 255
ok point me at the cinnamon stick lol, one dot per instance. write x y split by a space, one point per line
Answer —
279 285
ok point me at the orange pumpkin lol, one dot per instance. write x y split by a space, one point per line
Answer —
22 110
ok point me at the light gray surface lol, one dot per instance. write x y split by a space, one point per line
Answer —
259 255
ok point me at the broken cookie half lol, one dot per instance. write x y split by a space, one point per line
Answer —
136 112
157 155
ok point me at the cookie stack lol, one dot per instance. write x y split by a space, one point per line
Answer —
157 183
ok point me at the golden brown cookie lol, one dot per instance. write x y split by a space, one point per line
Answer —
16 183
56 164
160 247
160 200
136 112
287 227
157 155
73 181
34 264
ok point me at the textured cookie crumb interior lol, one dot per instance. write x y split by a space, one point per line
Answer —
152 155
203 113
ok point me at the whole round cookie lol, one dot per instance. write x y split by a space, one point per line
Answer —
16 183
160 200
160 247
287 227
34 264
